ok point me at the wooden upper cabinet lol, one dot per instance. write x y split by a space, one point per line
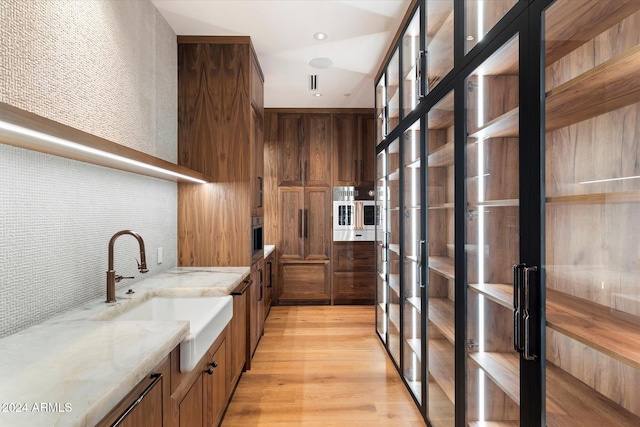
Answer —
304 149
290 218
353 149
220 134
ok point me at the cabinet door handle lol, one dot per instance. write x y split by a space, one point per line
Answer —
300 223
300 171
517 307
526 313
156 378
421 243
361 170
270 274
306 223
260 191
355 170
261 285
212 366
306 170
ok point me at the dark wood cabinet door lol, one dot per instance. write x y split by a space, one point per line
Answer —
367 147
316 161
238 336
215 385
345 149
317 225
191 409
304 283
354 257
290 149
256 306
354 288
291 219
257 171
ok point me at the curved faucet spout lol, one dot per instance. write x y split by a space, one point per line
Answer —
111 273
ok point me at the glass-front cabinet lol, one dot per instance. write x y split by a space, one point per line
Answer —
509 197
441 272
492 237
592 206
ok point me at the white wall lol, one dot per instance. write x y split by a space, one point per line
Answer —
107 67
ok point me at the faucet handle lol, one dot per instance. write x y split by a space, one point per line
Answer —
118 278
142 267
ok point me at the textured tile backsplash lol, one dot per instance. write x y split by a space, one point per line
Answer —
107 67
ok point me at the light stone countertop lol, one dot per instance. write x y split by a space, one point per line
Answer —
268 249
80 367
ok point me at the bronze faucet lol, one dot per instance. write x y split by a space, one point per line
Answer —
112 279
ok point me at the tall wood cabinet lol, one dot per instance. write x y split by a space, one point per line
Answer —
220 133
309 151
509 299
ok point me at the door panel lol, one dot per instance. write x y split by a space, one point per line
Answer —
317 223
291 207
317 158
345 134
290 148
493 240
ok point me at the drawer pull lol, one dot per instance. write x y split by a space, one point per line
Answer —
212 366
156 378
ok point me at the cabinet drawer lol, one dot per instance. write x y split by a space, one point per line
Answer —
352 257
349 288
304 283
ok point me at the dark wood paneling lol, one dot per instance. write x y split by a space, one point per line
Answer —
345 149
317 222
291 209
304 283
191 407
354 257
350 288
270 191
215 385
317 159
367 137
290 148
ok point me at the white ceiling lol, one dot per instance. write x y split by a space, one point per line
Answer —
359 31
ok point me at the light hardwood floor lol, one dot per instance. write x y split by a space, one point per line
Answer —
321 366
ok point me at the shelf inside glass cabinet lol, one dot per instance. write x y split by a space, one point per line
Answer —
443 265
442 315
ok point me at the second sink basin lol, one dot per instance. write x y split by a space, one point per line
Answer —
207 318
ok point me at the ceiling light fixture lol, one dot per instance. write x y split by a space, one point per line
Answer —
321 63
320 35
317 94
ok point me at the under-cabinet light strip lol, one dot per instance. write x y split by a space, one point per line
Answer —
79 147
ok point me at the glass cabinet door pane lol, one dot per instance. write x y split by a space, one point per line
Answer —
412 251
381 110
493 230
393 91
439 41
481 16
592 183
393 243
441 278
410 52
382 251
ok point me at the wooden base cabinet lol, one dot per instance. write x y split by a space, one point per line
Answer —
354 273
304 283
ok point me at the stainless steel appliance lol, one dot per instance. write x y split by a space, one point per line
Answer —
354 214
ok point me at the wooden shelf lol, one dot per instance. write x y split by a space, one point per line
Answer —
442 315
394 176
442 156
416 303
607 87
394 247
440 49
504 126
441 366
444 415
497 203
394 315
500 293
590 17
598 198
414 165
443 265
503 369
88 148
442 206
573 403
394 283
415 344
602 328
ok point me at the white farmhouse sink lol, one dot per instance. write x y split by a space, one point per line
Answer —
207 318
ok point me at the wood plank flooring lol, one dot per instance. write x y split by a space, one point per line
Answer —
321 366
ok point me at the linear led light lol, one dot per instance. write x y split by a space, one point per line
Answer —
609 180
79 147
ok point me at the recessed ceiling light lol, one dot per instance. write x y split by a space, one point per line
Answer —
317 94
469 38
320 35
347 94
321 63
